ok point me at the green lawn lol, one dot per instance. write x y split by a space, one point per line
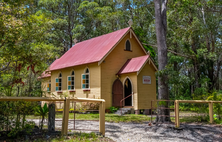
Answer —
108 117
187 117
75 137
82 137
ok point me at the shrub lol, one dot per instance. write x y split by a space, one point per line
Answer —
42 111
13 116
113 109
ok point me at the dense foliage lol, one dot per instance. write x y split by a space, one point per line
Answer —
29 28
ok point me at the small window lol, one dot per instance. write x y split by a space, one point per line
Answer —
128 46
71 80
87 70
59 83
49 86
85 79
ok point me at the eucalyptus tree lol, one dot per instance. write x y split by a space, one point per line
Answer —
64 19
194 36
161 31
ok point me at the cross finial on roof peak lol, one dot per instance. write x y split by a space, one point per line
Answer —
75 40
130 22
148 53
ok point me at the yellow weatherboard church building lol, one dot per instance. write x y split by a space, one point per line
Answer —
113 67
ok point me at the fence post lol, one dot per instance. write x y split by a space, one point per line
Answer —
211 112
177 114
102 118
65 118
51 117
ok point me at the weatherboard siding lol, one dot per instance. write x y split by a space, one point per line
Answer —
95 82
113 63
146 92
44 83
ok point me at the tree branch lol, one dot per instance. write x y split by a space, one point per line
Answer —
5 67
182 55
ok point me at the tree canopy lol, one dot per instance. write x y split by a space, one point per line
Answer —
34 32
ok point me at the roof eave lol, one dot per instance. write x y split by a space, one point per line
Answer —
74 66
126 72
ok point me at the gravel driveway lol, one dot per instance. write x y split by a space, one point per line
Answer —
133 132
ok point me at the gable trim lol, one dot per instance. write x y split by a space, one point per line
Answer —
142 66
153 64
138 41
145 64
131 31
104 57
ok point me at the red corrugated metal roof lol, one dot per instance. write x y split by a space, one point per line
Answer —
89 51
133 65
45 74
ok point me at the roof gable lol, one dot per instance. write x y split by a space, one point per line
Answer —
131 32
135 65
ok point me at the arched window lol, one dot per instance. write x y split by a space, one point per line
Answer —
71 80
59 82
128 46
85 79
49 86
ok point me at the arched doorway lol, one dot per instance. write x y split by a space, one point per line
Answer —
117 92
127 92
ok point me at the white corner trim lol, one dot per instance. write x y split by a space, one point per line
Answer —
153 64
130 34
145 64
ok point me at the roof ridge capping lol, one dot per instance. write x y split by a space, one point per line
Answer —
102 35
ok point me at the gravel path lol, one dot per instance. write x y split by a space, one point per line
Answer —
132 132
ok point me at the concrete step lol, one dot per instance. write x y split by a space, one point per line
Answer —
124 111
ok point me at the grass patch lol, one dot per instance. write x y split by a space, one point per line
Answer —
187 117
108 117
82 137
126 118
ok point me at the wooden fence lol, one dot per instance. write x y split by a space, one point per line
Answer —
177 120
65 118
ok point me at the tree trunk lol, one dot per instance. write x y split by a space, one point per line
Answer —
42 122
161 27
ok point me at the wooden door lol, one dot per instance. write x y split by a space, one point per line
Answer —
117 92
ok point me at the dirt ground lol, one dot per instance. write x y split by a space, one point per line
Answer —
142 132
189 132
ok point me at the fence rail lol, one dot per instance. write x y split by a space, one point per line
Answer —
210 103
74 111
66 101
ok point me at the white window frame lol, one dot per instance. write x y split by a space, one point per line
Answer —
58 82
82 80
131 49
49 82
71 79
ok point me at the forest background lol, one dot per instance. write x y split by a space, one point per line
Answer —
33 33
